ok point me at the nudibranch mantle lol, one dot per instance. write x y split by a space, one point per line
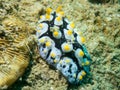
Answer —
62 47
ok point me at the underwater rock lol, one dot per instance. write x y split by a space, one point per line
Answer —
14 50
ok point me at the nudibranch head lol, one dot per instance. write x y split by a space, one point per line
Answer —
62 47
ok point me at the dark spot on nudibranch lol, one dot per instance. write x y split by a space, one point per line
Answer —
48 53
64 66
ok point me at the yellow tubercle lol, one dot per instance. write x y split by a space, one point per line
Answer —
80 77
38 31
59 9
55 61
66 47
48 10
48 44
53 54
83 64
81 53
72 25
41 25
82 39
61 13
87 63
47 16
83 73
55 33
69 32
60 62
67 61
41 17
58 18
42 40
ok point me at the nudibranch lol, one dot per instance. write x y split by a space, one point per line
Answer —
62 47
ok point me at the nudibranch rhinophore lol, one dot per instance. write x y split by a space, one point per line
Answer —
62 47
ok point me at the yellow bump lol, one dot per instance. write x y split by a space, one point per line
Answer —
58 18
48 10
41 17
53 55
60 62
66 47
80 77
41 25
59 9
67 61
55 61
82 39
87 63
38 31
69 32
81 53
48 44
72 25
61 13
55 33
47 16
83 64
42 40
83 73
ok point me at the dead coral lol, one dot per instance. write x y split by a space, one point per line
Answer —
14 49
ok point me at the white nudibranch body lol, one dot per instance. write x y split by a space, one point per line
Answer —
41 28
62 47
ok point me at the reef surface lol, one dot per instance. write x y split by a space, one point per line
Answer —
100 25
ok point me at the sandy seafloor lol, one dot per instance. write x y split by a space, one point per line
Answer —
100 24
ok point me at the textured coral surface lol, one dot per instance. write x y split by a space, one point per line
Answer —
100 25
